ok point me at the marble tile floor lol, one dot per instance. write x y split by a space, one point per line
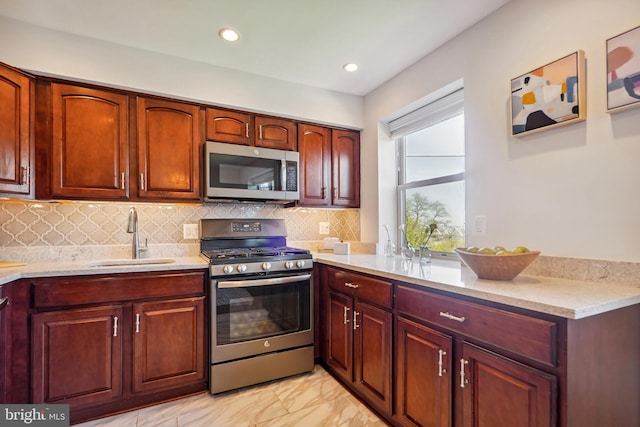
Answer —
307 400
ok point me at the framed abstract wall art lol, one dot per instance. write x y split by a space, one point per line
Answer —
623 71
550 96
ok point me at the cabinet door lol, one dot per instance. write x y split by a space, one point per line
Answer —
372 354
16 100
275 133
314 146
498 392
90 143
228 126
339 340
77 356
345 165
168 344
423 375
169 145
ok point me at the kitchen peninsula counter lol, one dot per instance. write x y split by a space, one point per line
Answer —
571 299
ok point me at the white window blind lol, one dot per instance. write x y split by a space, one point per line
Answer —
431 114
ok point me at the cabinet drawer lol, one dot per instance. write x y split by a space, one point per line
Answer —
374 290
528 336
100 289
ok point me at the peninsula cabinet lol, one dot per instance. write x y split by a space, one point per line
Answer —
358 332
17 94
103 344
466 362
246 129
330 166
102 144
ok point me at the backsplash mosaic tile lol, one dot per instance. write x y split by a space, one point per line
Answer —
31 224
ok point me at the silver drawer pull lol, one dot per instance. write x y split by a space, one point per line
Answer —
351 285
451 316
115 326
346 319
355 320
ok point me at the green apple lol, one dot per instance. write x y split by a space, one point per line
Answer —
505 252
486 251
499 248
472 249
521 250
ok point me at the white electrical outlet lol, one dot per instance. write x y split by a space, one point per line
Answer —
189 231
324 228
479 226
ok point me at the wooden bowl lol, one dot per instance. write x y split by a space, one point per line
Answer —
497 267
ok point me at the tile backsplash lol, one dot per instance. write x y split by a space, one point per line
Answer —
36 224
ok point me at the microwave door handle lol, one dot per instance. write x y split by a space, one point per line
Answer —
283 175
263 282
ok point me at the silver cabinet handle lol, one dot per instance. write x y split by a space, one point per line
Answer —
351 285
346 319
355 320
260 128
137 323
142 186
122 181
441 369
246 130
463 380
25 174
115 326
451 316
3 302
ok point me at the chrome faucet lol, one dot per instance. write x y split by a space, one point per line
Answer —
132 227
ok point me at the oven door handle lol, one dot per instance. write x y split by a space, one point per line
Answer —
264 282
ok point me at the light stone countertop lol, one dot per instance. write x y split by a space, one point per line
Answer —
571 299
87 267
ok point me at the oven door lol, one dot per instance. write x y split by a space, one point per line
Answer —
252 316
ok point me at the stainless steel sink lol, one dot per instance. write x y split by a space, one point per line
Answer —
126 262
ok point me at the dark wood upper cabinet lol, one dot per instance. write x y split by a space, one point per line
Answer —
330 166
228 126
276 133
345 165
169 145
314 146
246 129
89 143
16 131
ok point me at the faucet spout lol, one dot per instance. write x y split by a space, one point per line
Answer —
132 228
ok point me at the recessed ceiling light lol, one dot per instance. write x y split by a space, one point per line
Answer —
229 35
350 67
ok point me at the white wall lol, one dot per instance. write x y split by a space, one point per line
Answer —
571 191
35 48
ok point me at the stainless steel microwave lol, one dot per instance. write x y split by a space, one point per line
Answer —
241 172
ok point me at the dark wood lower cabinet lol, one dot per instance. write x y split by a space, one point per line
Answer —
423 375
77 356
463 362
498 392
105 344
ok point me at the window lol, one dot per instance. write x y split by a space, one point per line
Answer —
431 175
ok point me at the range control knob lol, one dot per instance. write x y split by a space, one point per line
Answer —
241 268
266 266
288 265
227 269
300 263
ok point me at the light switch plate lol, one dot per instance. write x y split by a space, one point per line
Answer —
324 228
190 231
479 226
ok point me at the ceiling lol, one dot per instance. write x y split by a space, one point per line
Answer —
301 41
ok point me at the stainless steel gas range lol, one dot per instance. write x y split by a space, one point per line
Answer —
261 302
